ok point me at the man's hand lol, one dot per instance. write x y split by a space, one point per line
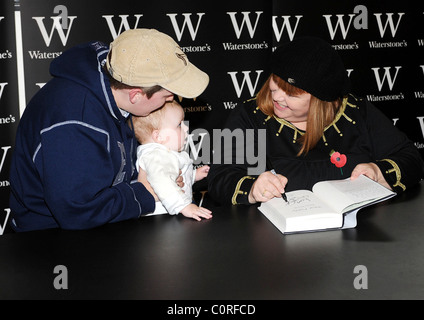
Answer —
142 177
180 180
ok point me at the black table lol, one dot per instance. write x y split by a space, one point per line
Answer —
238 254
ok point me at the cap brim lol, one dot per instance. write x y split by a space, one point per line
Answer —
190 85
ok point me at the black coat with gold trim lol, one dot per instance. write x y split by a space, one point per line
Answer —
360 131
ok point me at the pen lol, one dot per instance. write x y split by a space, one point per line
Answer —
283 194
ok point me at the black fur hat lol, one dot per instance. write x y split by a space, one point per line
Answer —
312 65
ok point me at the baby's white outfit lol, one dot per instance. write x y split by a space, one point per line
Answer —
162 167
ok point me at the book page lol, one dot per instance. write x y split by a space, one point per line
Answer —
303 202
303 211
347 194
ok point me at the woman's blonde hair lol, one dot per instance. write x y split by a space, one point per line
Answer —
320 115
144 126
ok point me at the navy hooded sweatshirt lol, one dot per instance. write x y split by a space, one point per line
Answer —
73 161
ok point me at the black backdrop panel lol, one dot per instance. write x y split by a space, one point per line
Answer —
382 45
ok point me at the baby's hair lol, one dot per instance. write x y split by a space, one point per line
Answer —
144 126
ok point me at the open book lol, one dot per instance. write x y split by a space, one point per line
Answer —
331 204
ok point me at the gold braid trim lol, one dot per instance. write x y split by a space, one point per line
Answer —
238 191
283 123
398 173
339 114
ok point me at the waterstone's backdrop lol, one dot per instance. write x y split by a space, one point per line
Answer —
381 43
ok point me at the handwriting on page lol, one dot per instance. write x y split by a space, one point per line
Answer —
360 189
303 203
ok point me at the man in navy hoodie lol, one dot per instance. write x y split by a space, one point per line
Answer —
73 161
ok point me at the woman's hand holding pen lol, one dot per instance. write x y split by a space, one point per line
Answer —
267 186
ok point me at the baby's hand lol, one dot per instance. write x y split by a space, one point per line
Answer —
202 172
196 212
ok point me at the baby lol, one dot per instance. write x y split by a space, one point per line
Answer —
162 136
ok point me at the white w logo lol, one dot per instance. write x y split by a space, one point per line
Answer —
5 149
339 23
2 85
420 119
124 24
387 75
389 22
246 20
246 80
286 24
57 25
187 22
3 226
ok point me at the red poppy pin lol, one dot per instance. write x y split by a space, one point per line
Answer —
338 159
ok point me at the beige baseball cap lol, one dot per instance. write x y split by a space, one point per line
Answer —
147 57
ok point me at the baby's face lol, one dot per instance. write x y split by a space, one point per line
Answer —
174 132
